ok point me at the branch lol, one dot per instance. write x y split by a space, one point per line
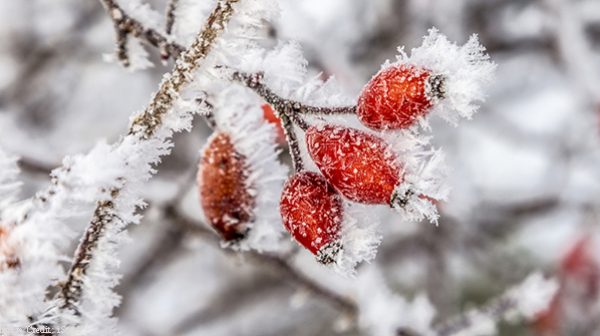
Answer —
72 289
289 111
125 25
170 22
144 127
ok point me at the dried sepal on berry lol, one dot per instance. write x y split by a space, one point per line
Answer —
398 96
457 74
222 181
312 212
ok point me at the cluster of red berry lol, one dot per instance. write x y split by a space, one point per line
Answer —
354 164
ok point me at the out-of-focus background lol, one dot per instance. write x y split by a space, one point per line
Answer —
525 171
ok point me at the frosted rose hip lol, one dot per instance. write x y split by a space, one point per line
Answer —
397 96
312 212
356 163
224 196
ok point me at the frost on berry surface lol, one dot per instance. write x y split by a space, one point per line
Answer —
359 165
398 96
340 234
313 213
399 169
224 192
464 72
239 115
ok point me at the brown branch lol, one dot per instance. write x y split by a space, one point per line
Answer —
148 121
127 25
289 111
143 126
169 23
72 289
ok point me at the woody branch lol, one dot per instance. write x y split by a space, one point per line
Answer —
143 126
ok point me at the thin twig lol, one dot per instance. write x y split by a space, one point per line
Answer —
169 23
126 25
143 126
71 290
170 20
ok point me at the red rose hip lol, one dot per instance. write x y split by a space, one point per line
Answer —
225 198
312 211
358 164
397 96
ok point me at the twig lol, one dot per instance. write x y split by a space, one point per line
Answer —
71 290
148 122
126 25
289 111
170 22
143 126
283 105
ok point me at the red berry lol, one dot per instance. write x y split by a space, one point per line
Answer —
224 196
356 163
272 118
579 290
581 266
8 258
397 96
312 212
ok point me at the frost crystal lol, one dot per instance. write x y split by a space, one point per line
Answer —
239 114
465 70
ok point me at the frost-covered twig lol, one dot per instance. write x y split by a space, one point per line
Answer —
287 106
170 16
290 111
71 289
126 25
147 122
169 23
144 126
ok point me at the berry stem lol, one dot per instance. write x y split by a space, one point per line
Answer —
292 140
283 105
286 109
